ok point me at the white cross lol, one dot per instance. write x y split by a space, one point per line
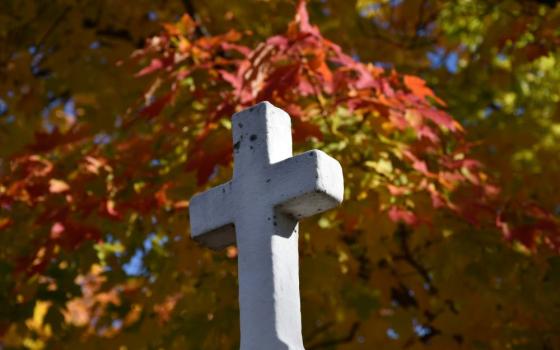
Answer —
259 210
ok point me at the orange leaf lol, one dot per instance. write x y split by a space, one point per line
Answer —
418 86
181 204
5 223
231 252
111 210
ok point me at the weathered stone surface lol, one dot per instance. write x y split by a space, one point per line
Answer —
259 210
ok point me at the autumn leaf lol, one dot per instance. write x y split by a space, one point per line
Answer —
5 223
419 88
58 186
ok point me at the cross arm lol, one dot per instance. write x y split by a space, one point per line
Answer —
211 217
307 184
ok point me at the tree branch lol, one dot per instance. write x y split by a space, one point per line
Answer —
315 332
337 341
403 233
52 27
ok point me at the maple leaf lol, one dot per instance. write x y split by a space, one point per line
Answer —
419 88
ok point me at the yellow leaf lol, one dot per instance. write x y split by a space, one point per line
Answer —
58 186
39 312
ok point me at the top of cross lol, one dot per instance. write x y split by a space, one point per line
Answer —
262 134
266 172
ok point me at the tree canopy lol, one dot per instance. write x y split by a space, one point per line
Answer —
444 116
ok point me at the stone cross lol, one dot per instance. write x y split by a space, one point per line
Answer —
259 209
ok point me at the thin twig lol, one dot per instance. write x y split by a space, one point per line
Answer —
337 341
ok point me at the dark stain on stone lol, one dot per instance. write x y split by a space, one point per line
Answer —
267 180
318 210
236 146
275 223
312 154
251 109
253 137
251 147
268 219
240 125
223 190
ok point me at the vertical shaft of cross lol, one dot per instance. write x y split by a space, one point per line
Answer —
268 280
267 239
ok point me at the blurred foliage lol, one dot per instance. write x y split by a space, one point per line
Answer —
113 113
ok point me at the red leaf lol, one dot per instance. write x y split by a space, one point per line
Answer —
56 230
441 118
235 47
45 142
161 195
280 81
303 130
397 214
212 150
305 87
154 65
534 51
279 41
396 190
420 166
426 132
76 233
437 199
301 22
235 81
157 106
365 78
